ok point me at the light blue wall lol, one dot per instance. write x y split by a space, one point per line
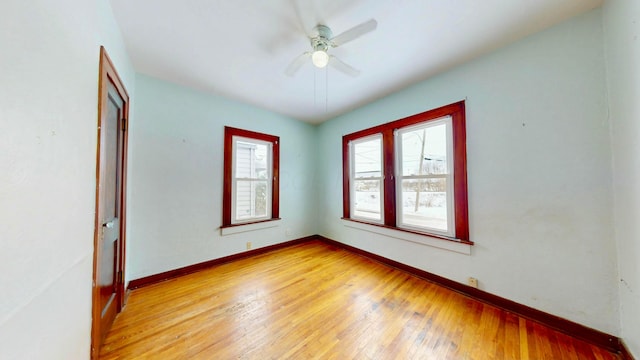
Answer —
175 177
50 51
539 172
622 28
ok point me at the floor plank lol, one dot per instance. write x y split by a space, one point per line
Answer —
316 301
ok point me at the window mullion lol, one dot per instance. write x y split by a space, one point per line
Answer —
388 161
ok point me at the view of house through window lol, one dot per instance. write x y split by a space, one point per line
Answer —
251 168
251 179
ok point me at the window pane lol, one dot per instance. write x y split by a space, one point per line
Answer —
368 158
243 199
260 198
424 151
251 160
260 162
367 199
424 203
251 199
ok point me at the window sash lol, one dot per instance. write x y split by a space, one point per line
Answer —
237 217
253 208
363 213
401 214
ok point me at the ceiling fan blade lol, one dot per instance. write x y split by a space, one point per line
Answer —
354 32
297 63
343 67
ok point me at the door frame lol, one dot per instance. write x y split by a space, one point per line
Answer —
107 73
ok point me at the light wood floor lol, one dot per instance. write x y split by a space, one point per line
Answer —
314 301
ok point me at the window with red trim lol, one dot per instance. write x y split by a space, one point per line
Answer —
410 174
251 169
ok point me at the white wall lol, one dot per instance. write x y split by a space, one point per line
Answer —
539 173
48 114
622 50
175 177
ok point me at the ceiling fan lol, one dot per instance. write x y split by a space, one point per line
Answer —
323 40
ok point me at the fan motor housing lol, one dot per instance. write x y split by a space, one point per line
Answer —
322 41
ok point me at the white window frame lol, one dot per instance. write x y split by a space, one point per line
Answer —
353 178
449 176
234 184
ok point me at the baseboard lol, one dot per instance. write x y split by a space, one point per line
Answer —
153 279
596 337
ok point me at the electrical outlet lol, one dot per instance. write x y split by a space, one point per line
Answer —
248 245
473 282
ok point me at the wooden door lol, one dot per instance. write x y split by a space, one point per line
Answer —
109 250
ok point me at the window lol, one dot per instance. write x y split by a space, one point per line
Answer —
251 169
366 157
410 174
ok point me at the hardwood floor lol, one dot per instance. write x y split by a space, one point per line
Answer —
316 301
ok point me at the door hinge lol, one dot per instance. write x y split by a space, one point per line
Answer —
124 124
120 278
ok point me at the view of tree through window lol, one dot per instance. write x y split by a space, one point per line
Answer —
424 176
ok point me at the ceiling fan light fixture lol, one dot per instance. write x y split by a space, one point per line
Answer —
321 40
320 58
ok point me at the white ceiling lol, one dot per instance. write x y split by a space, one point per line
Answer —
240 48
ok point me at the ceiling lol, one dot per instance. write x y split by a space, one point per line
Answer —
240 49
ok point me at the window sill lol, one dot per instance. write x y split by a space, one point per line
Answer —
462 247
252 226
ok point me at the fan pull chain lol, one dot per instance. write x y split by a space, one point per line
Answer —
326 89
316 83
